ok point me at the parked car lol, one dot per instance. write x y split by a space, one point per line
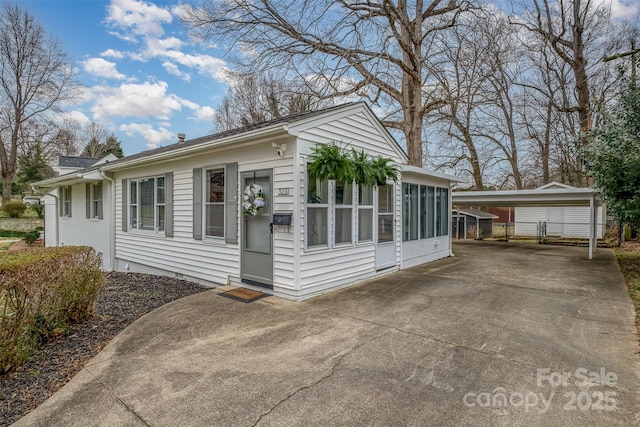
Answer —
31 200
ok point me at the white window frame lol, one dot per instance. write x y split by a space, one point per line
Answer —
336 207
362 208
134 222
65 201
436 212
95 194
206 203
326 206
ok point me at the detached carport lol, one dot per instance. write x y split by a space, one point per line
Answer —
537 198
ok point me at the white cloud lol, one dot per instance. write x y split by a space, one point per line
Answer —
137 17
154 137
102 68
76 115
175 71
112 53
624 9
204 114
134 100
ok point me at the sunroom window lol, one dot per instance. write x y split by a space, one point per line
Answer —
343 218
365 213
317 212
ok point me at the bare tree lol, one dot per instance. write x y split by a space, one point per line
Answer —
34 80
254 99
359 47
567 27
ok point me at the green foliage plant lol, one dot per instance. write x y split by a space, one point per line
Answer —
332 162
42 291
613 158
39 210
384 170
14 208
366 174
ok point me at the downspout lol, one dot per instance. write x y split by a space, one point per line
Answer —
57 223
112 223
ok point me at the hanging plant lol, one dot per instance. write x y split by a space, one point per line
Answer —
365 172
384 171
330 161
253 200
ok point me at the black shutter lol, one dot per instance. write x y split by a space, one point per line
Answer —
61 191
197 203
69 191
168 204
87 188
231 203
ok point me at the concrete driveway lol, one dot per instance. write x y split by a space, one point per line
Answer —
498 335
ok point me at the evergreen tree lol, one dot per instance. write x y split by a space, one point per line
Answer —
33 166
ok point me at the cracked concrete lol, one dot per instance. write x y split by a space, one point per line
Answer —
440 344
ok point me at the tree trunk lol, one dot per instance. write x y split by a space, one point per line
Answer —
412 83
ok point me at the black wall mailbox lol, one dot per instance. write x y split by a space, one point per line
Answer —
281 219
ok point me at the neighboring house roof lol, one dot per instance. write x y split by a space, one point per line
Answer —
285 125
554 186
476 213
76 162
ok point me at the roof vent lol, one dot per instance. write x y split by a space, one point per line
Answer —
181 137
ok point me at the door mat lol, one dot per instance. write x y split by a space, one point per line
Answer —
244 295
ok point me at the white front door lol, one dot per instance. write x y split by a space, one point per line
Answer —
257 234
385 235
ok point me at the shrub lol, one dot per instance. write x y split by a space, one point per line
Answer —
42 291
14 208
31 236
39 210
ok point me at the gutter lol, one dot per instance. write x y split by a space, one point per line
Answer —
112 223
191 149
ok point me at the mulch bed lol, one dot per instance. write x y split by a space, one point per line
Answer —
125 298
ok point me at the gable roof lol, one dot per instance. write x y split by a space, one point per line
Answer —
279 126
554 185
76 162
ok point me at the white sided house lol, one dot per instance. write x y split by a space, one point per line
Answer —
177 210
561 221
79 210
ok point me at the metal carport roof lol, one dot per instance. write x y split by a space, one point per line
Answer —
538 197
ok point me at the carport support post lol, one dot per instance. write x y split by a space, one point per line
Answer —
591 220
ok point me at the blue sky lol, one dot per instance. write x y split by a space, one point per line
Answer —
144 79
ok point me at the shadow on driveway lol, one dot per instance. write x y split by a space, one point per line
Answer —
497 335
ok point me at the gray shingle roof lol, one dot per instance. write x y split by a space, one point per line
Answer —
232 132
76 162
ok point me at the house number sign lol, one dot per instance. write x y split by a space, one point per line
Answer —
284 192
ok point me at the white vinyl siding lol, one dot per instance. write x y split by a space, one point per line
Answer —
78 230
568 221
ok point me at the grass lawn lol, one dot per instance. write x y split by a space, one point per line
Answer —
629 260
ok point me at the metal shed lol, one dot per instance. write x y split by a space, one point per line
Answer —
472 224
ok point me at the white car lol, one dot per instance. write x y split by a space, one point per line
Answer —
31 200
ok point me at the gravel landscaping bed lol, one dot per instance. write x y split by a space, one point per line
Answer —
125 298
